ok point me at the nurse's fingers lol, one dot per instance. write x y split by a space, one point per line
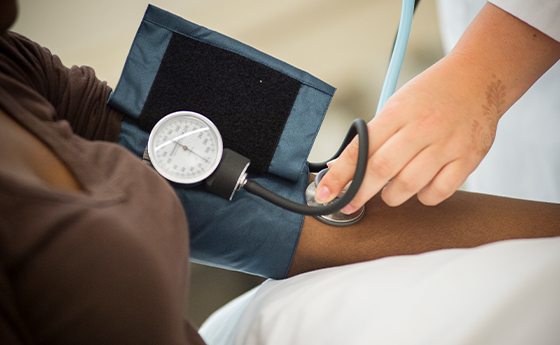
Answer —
340 173
386 163
342 170
446 182
416 175
383 165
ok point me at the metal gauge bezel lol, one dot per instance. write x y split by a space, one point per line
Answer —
186 115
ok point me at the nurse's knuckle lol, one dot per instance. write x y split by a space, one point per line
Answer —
408 182
352 151
381 166
439 190
336 177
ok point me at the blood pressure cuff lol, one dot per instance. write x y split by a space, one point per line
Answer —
265 109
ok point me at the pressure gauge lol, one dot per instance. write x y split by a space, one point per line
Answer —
185 147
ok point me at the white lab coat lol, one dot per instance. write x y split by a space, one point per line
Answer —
524 161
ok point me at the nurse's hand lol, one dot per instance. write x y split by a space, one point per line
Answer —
435 130
428 138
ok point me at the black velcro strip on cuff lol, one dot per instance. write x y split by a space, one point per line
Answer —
248 101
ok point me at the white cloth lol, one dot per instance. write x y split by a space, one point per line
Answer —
524 161
501 293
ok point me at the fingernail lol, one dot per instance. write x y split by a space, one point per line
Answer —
329 163
347 209
322 194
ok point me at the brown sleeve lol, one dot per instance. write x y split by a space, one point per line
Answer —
464 220
13 330
75 93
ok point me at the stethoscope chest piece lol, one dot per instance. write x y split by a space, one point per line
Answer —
338 218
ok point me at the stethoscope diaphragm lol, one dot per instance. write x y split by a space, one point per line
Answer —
337 218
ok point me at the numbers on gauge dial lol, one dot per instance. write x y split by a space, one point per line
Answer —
185 149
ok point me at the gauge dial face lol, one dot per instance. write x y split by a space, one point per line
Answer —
185 147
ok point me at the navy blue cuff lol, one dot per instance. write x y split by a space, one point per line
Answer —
247 234
149 50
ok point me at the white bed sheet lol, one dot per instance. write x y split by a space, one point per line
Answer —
502 293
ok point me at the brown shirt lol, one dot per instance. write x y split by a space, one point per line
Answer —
107 263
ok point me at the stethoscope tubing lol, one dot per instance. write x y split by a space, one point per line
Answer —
358 127
399 50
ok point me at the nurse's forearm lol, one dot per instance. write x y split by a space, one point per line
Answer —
462 221
501 57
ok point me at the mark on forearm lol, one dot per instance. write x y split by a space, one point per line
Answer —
484 131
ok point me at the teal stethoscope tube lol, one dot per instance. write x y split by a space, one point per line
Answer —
397 57
391 78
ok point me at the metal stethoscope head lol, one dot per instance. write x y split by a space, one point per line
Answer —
337 218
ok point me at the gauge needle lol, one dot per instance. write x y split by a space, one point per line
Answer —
175 148
180 136
204 159
183 146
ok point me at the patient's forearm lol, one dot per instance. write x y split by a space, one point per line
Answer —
464 220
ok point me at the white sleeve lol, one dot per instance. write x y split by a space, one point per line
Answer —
544 15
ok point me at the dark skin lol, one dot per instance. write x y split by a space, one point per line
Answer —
464 220
8 14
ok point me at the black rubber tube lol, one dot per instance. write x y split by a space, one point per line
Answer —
360 127
316 167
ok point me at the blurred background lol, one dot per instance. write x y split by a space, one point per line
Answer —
346 43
